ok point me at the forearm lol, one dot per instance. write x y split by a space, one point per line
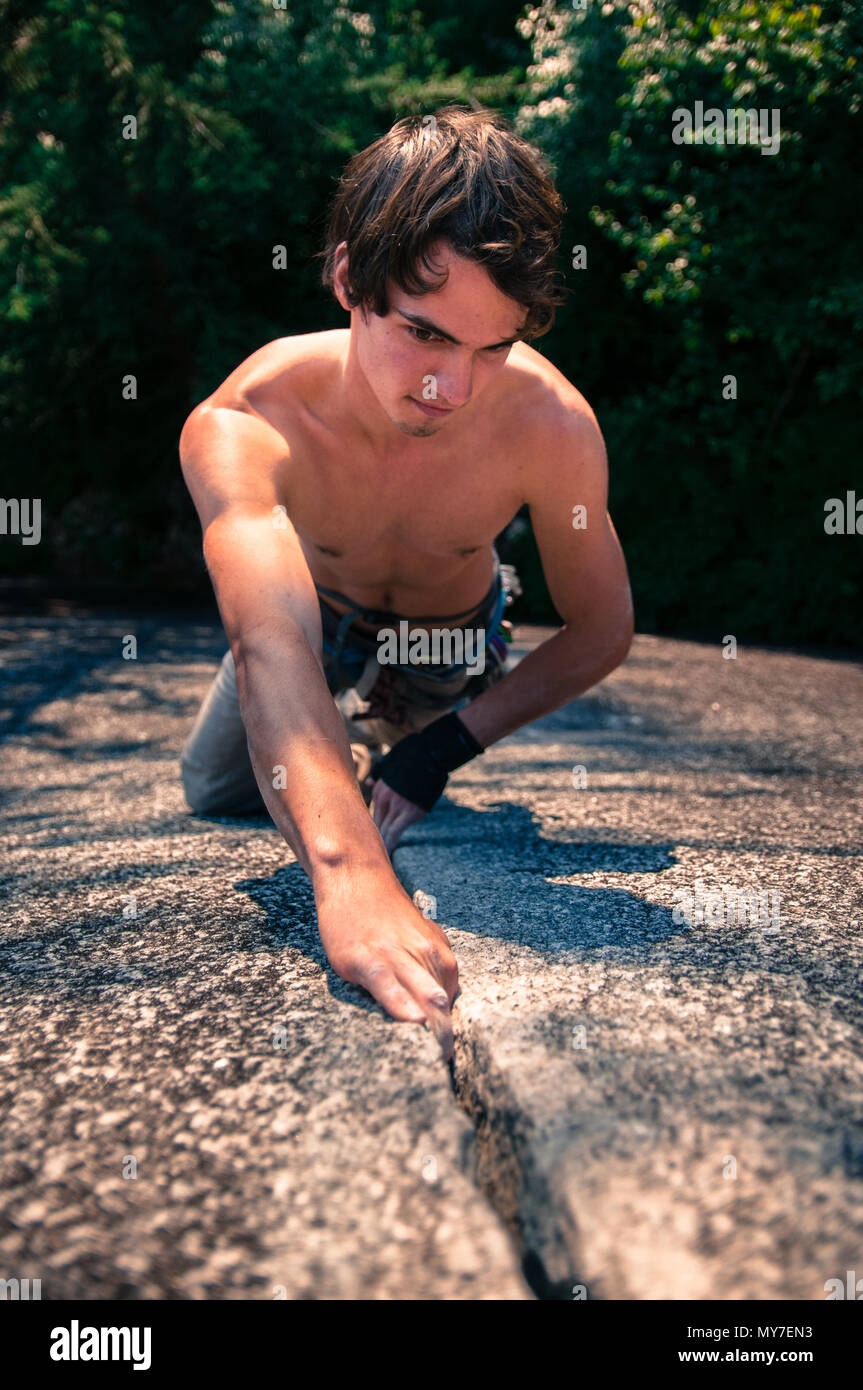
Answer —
297 738
560 669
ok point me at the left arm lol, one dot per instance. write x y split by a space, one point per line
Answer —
586 576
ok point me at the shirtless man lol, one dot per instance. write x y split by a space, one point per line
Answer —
380 463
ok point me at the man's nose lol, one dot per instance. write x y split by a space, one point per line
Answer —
455 382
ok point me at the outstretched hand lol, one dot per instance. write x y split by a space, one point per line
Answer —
376 937
392 812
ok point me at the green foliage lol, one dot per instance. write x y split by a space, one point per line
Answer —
153 256
708 260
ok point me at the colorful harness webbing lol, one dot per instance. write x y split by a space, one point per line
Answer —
488 616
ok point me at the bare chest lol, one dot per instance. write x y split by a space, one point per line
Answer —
408 533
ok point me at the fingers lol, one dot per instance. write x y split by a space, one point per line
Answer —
411 993
398 1003
447 971
382 798
392 831
392 814
382 984
432 998
388 802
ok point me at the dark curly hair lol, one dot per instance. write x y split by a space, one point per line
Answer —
463 175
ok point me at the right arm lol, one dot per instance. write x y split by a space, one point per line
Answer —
237 468
269 607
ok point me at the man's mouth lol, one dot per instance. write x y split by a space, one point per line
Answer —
433 409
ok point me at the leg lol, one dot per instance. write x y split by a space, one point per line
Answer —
215 765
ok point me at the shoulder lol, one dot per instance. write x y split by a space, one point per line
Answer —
239 441
283 373
556 428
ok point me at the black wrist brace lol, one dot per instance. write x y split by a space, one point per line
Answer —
418 766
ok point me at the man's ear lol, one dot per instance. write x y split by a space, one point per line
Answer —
341 283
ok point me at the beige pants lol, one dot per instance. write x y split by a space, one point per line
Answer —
215 765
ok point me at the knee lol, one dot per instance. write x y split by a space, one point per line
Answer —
197 787
208 796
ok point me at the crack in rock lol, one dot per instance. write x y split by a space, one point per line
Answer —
508 1177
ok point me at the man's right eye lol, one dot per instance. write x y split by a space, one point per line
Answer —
429 337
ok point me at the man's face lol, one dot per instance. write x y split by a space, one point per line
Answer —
432 354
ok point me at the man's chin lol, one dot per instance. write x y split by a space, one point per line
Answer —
418 431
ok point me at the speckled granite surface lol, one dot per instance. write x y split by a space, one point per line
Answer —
195 1106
